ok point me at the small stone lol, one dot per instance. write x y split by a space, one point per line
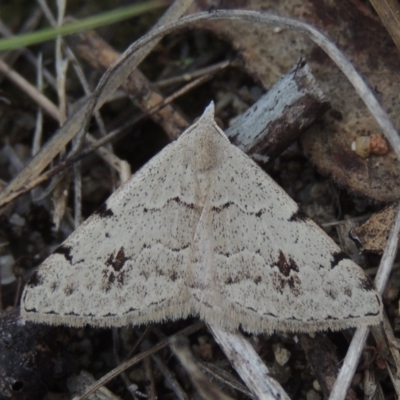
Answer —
363 146
378 145
316 386
313 395
282 355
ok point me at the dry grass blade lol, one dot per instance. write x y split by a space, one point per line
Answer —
78 122
129 60
97 144
389 13
350 362
127 364
100 55
248 365
205 387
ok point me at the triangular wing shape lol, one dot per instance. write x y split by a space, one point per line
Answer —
272 267
202 230
127 262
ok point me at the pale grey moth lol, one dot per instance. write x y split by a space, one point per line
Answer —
201 230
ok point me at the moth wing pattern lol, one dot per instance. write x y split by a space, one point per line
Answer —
274 268
126 263
202 230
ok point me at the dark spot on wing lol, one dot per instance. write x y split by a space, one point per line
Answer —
331 293
337 257
176 199
35 280
117 261
69 289
371 314
173 276
182 203
110 281
257 280
65 251
104 212
347 291
229 281
298 216
293 282
285 266
121 278
259 213
223 207
226 205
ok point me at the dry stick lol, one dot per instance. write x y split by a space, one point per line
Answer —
127 364
322 358
10 57
188 76
53 111
129 60
385 338
226 378
169 378
80 120
389 14
267 128
100 55
96 144
60 191
78 71
150 382
31 91
350 362
37 136
248 365
165 371
207 389
61 70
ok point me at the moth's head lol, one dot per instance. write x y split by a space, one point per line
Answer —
208 142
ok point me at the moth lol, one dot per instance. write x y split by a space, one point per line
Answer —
201 230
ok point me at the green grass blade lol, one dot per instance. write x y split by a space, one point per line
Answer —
107 18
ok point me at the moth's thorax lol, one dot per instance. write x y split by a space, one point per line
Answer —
208 148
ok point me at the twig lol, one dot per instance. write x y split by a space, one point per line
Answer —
206 389
37 136
389 13
144 94
118 72
188 76
96 144
31 91
226 378
350 362
127 364
277 119
248 365
11 57
387 345
170 378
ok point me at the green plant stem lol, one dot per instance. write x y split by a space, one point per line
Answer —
109 17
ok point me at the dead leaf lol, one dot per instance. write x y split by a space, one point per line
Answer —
355 28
